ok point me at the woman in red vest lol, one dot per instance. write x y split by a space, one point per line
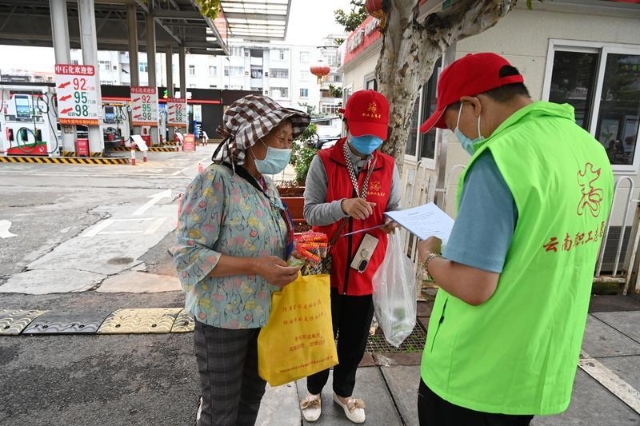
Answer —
348 188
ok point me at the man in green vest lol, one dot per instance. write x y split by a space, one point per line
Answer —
515 276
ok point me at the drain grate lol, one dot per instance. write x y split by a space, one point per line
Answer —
413 343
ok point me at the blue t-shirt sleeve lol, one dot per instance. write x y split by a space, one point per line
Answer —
487 217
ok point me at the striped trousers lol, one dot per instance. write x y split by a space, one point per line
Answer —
228 366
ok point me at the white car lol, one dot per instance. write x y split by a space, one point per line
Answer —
328 131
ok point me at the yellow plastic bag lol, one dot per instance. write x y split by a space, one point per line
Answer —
297 341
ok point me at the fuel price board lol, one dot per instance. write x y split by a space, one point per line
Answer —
177 112
144 106
78 102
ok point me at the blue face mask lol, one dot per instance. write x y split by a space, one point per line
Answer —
466 142
274 161
366 144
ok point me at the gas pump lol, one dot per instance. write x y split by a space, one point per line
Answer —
28 124
115 124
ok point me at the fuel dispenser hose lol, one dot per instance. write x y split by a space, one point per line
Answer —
42 103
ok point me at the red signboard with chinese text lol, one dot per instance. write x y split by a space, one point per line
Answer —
361 38
189 143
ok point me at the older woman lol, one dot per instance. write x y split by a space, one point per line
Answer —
232 242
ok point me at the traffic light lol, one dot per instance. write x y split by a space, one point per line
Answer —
165 94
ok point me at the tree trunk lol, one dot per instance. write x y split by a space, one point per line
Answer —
410 49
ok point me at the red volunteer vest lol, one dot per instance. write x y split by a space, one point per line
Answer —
346 279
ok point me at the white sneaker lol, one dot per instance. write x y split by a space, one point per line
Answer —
353 409
311 407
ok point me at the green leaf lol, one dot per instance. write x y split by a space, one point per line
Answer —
352 19
209 8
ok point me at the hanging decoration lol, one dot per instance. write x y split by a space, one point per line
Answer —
320 70
375 8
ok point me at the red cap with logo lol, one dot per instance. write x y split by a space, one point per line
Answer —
470 75
367 113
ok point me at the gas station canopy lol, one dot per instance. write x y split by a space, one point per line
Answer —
257 20
178 23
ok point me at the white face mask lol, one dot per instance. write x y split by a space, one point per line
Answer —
466 142
274 161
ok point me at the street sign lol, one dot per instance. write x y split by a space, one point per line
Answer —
177 112
78 102
144 106
189 143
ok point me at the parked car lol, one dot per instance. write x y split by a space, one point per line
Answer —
328 144
328 130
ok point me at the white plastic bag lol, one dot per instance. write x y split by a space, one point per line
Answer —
394 292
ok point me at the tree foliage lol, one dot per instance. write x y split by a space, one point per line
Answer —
302 153
209 8
410 50
352 19
335 91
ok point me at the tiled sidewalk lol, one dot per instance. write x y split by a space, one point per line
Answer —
605 392
388 382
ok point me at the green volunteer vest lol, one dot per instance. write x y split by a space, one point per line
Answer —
517 353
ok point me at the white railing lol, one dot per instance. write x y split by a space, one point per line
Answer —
627 204
416 192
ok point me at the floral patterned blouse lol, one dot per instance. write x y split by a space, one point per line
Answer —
223 213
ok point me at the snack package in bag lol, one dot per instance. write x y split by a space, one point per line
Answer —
297 340
394 292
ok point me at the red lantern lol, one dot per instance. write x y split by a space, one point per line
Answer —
375 8
320 70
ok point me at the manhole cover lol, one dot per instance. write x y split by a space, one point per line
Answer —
138 321
12 322
413 343
60 323
184 323
119 261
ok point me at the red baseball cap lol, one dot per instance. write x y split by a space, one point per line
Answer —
367 113
470 75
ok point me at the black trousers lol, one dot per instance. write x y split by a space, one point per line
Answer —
435 411
351 317
230 385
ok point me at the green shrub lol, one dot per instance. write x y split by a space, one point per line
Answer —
302 154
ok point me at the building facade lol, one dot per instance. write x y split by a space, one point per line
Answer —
586 55
281 71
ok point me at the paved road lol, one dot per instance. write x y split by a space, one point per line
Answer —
83 241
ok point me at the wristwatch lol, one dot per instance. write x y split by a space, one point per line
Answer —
425 264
